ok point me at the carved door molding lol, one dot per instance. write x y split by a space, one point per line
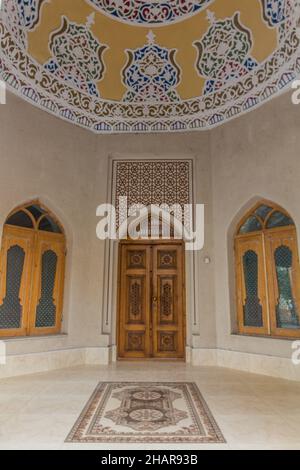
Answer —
151 300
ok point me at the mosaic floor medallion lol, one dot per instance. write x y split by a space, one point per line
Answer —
146 412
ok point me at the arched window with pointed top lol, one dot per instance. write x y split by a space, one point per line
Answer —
267 272
32 272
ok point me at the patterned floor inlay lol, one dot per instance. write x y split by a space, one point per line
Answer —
146 412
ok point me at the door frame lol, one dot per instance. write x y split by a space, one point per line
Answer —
151 242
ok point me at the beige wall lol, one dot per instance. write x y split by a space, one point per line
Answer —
43 157
67 167
256 156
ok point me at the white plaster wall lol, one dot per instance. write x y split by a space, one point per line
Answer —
46 158
256 156
67 168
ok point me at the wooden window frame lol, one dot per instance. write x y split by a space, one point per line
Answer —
54 242
242 245
286 237
268 286
34 242
24 238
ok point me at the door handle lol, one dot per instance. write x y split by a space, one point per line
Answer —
154 299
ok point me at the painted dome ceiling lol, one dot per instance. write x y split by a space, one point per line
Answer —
149 66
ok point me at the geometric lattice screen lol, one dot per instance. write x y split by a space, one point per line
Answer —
252 308
154 182
286 314
46 310
11 309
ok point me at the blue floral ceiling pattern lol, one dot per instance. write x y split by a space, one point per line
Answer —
149 66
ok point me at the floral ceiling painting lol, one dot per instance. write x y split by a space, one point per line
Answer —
126 66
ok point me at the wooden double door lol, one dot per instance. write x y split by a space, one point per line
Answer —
151 317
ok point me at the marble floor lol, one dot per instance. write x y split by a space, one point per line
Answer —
253 412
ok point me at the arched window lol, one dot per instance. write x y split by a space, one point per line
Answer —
267 273
32 272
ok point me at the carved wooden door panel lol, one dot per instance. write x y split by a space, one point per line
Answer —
167 302
252 305
15 276
134 306
48 282
151 301
284 281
